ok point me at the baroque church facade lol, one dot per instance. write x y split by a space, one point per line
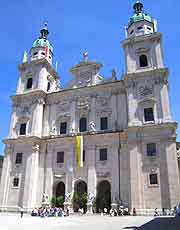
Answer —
129 137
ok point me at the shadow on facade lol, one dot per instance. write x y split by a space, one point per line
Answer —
159 223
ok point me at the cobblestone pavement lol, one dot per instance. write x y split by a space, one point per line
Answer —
14 222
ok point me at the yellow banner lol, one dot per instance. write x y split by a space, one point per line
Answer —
79 144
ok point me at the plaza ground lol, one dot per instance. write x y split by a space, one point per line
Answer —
14 222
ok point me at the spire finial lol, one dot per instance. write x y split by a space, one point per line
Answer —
138 7
44 31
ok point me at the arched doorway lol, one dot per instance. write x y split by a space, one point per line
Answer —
80 196
60 194
103 198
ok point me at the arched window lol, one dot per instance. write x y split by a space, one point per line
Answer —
48 86
82 124
143 61
29 83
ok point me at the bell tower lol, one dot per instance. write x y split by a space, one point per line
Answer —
42 48
145 75
150 124
143 46
37 72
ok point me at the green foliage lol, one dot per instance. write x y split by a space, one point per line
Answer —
53 201
57 201
80 200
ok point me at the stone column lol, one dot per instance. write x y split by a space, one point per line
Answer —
46 128
165 103
73 117
5 178
69 181
114 110
132 104
49 171
12 123
41 174
38 118
157 92
171 180
91 157
93 112
114 173
31 179
135 176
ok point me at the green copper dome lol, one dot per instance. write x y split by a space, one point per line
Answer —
139 14
42 41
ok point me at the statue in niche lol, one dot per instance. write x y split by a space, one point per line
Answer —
92 126
53 130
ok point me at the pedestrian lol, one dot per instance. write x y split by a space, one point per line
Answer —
134 212
21 211
156 212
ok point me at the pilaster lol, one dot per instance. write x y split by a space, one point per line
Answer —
115 171
135 176
49 171
165 103
38 118
92 180
114 110
5 178
31 178
73 117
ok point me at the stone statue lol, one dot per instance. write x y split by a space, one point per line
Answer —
114 77
92 126
45 199
68 197
90 197
53 130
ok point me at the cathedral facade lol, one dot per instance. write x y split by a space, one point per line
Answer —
129 137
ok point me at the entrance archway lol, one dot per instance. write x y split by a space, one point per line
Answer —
80 196
103 198
60 194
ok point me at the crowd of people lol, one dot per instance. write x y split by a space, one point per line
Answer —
49 212
58 211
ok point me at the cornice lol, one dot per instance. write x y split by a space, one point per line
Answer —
171 125
20 140
42 61
141 38
117 87
34 96
164 72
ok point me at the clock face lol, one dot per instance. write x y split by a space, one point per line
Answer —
84 79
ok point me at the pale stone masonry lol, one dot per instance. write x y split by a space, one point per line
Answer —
129 135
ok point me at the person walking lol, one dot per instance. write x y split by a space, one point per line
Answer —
21 212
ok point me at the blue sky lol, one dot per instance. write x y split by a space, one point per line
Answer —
76 26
